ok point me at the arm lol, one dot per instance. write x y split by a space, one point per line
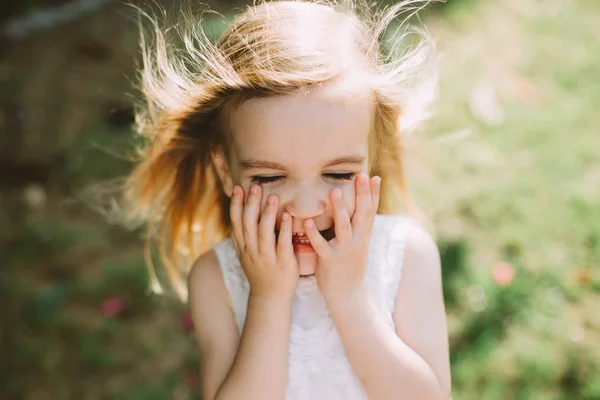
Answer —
251 367
260 368
414 360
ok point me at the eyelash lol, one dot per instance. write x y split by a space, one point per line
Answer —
261 180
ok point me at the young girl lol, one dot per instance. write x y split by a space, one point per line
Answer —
275 155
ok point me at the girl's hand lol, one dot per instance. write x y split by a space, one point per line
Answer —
343 260
270 267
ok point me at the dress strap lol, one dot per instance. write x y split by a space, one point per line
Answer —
394 231
234 278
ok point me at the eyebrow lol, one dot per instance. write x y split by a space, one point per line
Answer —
258 164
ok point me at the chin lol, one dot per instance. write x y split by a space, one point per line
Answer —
307 263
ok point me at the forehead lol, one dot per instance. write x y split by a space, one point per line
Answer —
302 129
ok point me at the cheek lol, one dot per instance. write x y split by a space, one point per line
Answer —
266 192
349 197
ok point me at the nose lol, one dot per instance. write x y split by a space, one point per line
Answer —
306 203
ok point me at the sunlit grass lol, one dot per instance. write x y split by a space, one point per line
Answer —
525 190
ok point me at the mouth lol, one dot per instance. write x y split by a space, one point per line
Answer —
302 242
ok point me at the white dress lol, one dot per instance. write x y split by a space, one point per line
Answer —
318 368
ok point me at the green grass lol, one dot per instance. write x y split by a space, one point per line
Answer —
526 191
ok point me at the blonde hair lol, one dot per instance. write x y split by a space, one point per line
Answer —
191 85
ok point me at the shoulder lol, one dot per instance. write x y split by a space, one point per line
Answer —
205 280
208 268
420 265
205 268
409 252
421 254
412 247
214 321
417 243
209 303
420 244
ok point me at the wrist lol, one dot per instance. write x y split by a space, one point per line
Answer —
354 309
269 300
348 299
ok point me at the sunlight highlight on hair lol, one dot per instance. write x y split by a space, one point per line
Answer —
190 85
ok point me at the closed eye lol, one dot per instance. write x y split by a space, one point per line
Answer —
261 180
341 177
266 179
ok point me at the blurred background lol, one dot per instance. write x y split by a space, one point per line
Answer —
508 171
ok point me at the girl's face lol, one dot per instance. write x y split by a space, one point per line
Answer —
300 147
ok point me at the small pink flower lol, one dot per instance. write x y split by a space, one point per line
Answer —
113 307
187 322
503 273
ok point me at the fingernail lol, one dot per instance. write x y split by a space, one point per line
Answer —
337 193
378 180
271 200
285 216
309 223
253 189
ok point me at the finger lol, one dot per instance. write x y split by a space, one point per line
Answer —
266 228
362 212
375 184
236 207
317 241
250 218
285 248
342 224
